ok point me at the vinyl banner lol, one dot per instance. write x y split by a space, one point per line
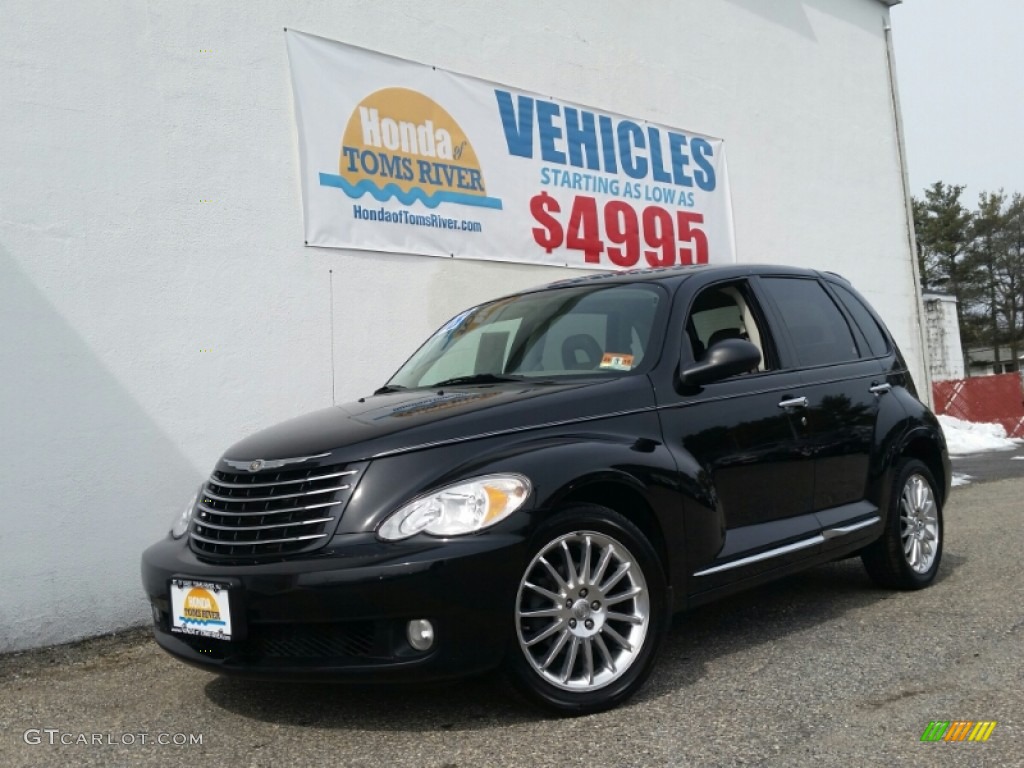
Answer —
402 157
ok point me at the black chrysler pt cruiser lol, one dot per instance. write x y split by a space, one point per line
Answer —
551 476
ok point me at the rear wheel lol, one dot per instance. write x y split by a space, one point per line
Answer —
908 553
590 612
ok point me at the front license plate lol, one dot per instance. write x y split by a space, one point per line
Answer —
200 608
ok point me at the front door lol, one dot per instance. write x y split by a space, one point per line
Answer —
744 434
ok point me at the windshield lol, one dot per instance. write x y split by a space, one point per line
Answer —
580 330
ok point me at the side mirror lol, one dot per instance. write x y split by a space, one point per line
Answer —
724 359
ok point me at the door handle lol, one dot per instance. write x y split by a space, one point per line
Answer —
879 389
793 402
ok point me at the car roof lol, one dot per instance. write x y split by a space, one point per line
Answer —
674 275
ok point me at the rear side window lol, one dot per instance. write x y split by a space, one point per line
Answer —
817 328
864 319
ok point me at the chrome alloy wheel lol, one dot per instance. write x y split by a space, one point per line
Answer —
582 611
919 524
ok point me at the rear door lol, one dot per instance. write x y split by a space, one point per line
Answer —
842 381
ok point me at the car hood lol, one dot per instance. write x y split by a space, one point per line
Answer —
413 419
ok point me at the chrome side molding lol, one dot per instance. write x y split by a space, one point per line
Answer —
794 547
842 530
820 538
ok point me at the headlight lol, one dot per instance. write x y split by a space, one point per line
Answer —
182 520
458 509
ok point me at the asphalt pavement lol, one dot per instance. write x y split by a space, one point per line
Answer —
821 669
994 465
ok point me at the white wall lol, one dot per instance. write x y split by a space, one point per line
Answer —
115 277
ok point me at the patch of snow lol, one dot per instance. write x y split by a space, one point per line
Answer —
960 479
1017 458
965 437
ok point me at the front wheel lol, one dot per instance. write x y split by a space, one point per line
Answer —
590 612
908 553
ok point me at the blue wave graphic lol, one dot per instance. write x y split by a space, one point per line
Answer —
186 620
385 193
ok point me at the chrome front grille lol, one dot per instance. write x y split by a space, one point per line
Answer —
272 512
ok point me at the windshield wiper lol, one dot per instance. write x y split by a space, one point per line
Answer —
476 378
388 388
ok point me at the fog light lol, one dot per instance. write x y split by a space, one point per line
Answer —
420 633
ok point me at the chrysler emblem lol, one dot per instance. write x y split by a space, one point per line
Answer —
258 464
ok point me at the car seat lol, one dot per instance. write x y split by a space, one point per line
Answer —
581 352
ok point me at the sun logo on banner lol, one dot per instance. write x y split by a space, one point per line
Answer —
401 144
201 608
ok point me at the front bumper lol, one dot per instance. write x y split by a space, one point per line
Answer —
342 613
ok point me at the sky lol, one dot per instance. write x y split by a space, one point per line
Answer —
960 73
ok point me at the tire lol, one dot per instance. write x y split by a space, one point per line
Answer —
590 613
908 553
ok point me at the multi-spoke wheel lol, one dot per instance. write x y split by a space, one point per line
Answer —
919 523
589 612
908 553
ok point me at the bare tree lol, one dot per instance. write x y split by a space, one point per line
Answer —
985 254
1013 305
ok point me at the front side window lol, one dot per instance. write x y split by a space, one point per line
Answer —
723 312
816 327
597 331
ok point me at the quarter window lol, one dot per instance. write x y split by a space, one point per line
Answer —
816 327
864 320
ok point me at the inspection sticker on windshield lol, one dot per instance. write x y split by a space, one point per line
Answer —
200 608
616 362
